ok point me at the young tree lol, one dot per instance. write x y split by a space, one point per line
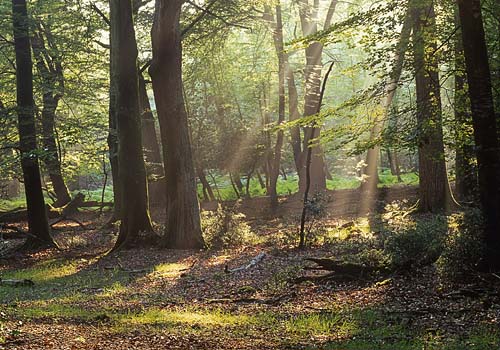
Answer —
183 227
485 125
434 190
37 216
371 170
131 168
275 163
50 69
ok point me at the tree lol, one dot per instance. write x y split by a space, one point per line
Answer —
275 162
309 23
183 227
434 190
485 125
371 170
50 69
465 168
131 168
37 216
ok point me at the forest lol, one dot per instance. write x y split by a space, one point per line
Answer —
250 174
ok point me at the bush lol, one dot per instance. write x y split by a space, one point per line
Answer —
463 247
224 228
419 243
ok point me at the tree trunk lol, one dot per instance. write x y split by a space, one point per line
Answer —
151 147
37 216
132 171
51 72
183 227
434 191
206 185
371 178
465 168
485 125
392 157
112 139
314 67
275 162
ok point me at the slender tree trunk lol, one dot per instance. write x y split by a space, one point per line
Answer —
235 188
112 139
294 114
485 125
206 185
183 227
132 170
37 216
261 181
49 67
151 147
434 190
370 172
275 163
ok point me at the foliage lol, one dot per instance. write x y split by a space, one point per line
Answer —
463 246
412 241
225 228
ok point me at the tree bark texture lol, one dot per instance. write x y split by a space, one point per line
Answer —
37 216
131 168
183 227
49 67
434 191
485 125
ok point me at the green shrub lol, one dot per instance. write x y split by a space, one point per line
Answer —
224 228
419 243
463 247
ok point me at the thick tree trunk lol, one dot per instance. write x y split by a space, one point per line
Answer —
313 70
183 227
151 147
485 125
466 172
132 171
37 216
51 72
434 190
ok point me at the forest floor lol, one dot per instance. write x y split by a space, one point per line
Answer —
84 298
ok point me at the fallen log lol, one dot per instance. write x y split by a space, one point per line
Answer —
342 267
252 263
16 282
60 213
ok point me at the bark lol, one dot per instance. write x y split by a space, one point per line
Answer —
49 67
294 114
434 190
37 216
392 157
484 121
206 185
275 163
465 169
131 167
309 23
151 147
183 227
112 139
